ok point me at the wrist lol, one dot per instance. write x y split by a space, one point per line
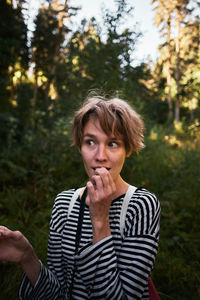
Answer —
101 230
31 265
27 256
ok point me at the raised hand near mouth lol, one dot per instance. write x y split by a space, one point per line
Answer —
101 190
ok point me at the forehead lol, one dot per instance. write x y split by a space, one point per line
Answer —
93 127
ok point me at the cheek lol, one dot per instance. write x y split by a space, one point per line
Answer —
83 152
86 164
122 157
119 162
85 157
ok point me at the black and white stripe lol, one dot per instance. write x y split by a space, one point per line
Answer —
117 267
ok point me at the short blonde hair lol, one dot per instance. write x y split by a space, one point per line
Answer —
115 116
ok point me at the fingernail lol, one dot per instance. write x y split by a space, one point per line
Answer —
89 184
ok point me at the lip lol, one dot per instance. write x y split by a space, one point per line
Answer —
95 168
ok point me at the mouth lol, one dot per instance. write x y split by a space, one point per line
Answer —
95 168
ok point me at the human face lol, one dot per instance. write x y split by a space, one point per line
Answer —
100 150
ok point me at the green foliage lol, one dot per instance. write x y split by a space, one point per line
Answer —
178 63
173 173
13 49
38 167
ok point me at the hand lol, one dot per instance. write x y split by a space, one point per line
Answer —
14 247
101 190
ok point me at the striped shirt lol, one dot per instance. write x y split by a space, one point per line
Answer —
117 267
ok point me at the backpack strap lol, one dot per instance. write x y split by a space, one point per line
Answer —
131 190
73 200
127 198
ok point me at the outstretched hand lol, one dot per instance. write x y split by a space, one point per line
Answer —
14 247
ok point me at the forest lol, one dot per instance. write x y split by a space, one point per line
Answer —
46 73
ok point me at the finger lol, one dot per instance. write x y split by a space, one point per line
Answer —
111 183
3 228
93 182
98 183
103 173
91 190
3 231
16 235
108 182
7 233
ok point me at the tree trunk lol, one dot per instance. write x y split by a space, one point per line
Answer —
61 14
34 101
169 79
178 75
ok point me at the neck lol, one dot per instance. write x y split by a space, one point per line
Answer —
121 187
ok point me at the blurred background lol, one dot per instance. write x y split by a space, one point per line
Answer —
52 53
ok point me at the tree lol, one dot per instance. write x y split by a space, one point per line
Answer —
47 43
100 56
190 45
174 19
163 18
13 50
14 57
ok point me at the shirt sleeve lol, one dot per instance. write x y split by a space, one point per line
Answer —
50 284
46 287
123 274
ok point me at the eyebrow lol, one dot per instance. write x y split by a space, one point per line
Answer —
112 138
89 135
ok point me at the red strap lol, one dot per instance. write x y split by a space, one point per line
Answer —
153 294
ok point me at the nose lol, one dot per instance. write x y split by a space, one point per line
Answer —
101 153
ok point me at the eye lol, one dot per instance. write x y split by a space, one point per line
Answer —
112 144
90 142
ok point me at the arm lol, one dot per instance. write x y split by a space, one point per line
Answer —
16 248
38 281
116 268
51 283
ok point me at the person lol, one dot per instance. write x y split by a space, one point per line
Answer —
108 265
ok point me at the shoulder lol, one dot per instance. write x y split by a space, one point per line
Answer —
60 209
144 213
62 199
146 199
